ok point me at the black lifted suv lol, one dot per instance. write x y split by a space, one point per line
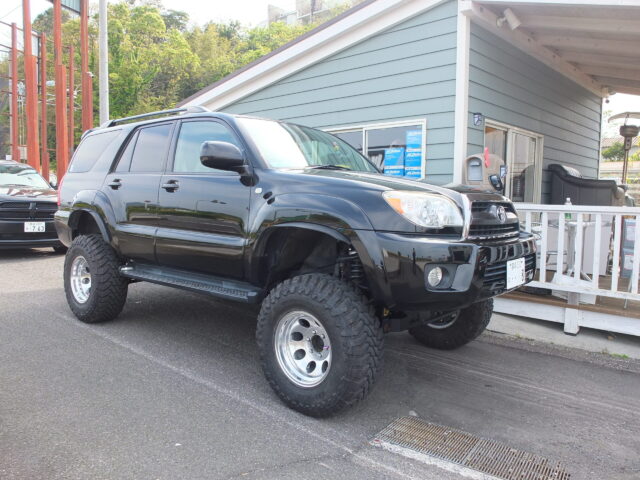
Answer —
260 211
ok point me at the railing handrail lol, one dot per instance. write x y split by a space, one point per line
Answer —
617 210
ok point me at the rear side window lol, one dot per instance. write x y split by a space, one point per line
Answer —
90 150
150 148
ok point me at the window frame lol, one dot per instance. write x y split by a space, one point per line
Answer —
538 161
421 122
133 137
174 146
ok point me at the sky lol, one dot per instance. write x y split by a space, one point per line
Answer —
248 12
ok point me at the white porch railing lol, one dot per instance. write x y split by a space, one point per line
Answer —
584 252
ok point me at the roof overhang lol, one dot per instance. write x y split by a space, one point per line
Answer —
594 42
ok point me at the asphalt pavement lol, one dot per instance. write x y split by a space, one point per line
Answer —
172 389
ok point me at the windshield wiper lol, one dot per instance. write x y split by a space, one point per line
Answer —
329 167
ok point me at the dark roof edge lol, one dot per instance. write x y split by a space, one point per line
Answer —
296 40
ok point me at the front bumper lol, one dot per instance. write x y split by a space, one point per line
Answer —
12 235
478 269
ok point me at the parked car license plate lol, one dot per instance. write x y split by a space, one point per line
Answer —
515 273
34 227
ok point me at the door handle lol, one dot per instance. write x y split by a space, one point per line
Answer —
171 185
115 184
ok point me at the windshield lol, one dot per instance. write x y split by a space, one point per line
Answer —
20 175
293 146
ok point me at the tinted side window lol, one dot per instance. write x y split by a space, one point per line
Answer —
150 148
90 150
125 158
190 139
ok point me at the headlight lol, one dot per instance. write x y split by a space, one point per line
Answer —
425 209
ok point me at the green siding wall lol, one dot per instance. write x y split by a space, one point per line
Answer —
405 72
509 86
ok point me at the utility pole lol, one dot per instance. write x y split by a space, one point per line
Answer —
104 62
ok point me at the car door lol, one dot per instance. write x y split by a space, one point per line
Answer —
132 189
203 212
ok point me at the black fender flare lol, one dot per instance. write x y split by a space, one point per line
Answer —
77 213
96 204
339 218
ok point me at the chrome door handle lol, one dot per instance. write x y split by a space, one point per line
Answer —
171 186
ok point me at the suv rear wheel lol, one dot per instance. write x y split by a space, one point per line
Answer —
95 290
455 330
320 343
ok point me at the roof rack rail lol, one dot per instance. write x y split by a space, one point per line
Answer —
190 109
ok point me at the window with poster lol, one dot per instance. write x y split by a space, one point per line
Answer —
521 153
397 148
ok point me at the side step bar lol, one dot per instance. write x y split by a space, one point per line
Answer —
195 282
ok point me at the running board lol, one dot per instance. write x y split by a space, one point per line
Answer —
195 282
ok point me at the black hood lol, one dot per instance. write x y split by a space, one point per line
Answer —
27 194
364 190
380 182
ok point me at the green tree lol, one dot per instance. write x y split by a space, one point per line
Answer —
614 153
147 63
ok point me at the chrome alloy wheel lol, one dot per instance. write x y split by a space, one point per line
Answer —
80 279
303 348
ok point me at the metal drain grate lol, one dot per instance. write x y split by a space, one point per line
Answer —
486 456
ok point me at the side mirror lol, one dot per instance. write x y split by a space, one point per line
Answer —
222 156
496 182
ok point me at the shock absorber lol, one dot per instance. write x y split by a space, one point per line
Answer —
356 270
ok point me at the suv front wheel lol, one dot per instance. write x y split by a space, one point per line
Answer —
95 290
457 329
320 343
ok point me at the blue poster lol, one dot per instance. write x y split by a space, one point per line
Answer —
413 156
394 161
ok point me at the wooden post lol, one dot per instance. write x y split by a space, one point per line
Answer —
85 76
71 89
15 118
43 106
62 151
62 147
31 93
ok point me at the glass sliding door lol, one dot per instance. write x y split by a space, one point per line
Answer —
521 172
520 152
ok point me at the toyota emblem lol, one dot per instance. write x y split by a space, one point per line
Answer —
501 213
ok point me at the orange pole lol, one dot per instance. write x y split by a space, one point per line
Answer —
15 151
43 106
85 76
33 149
62 150
62 147
71 88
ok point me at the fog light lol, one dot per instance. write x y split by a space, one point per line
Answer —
435 276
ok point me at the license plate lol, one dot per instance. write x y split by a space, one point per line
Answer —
515 273
34 227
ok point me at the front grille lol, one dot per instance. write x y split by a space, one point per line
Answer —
495 275
494 231
485 224
486 206
27 210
